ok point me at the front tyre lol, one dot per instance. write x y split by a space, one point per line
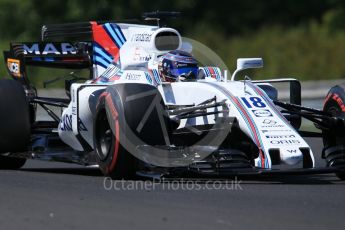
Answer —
129 117
334 138
11 162
113 160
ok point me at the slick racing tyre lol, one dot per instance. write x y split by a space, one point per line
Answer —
334 139
14 122
11 162
116 124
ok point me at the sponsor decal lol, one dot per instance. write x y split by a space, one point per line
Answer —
275 130
13 66
262 113
284 142
292 150
143 37
145 58
66 123
279 136
148 78
141 55
269 122
272 126
132 76
49 48
142 58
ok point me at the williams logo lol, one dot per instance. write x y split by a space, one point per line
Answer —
144 37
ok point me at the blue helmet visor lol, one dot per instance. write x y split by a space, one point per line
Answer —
185 71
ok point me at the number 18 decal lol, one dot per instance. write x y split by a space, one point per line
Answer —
253 102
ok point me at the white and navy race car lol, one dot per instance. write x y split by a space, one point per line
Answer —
128 118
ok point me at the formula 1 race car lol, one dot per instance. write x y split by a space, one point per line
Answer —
128 121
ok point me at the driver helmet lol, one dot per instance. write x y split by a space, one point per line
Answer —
177 65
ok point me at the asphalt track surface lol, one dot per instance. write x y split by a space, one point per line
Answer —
50 196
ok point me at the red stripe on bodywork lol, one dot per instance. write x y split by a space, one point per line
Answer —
262 156
213 75
102 38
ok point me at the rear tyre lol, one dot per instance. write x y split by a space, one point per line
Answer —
14 122
334 139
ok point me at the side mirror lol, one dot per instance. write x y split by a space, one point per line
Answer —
247 63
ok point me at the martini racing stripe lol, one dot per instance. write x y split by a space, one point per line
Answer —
156 76
100 61
264 159
119 33
252 134
148 78
101 56
105 37
113 35
260 92
219 75
212 72
111 71
99 51
255 131
207 72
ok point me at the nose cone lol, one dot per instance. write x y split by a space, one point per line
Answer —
291 156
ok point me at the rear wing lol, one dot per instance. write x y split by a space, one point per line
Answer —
46 54
79 30
93 45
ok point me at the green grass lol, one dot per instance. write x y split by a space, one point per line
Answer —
308 53
4 45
